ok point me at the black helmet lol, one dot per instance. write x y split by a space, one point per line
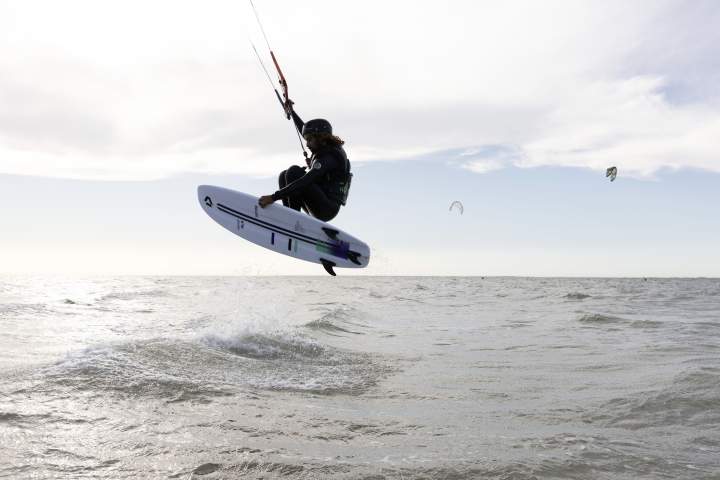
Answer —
317 125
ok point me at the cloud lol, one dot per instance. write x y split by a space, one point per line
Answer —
630 124
45 121
489 158
136 92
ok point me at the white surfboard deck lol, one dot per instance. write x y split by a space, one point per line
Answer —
283 229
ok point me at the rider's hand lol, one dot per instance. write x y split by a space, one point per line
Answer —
288 105
265 200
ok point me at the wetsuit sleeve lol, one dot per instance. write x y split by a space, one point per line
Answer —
298 121
322 164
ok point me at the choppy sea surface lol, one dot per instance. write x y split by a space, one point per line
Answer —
359 377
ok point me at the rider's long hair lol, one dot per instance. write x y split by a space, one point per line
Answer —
330 140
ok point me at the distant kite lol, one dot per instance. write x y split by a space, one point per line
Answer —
612 173
458 205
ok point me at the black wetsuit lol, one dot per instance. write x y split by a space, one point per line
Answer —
319 190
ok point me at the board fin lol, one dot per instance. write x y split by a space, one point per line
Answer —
330 232
328 265
353 257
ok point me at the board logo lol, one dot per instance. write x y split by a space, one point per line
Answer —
208 201
298 227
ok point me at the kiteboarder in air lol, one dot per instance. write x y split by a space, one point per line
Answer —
321 187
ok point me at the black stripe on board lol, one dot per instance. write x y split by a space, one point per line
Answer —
269 226
278 229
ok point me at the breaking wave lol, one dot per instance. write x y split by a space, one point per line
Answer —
214 366
337 321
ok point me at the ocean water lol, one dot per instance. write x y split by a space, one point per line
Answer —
359 377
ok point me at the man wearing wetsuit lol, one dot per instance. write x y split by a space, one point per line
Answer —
324 187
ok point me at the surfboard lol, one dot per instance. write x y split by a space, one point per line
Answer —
283 230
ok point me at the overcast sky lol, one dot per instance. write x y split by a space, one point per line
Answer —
107 99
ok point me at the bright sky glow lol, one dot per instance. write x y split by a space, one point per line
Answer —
140 91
